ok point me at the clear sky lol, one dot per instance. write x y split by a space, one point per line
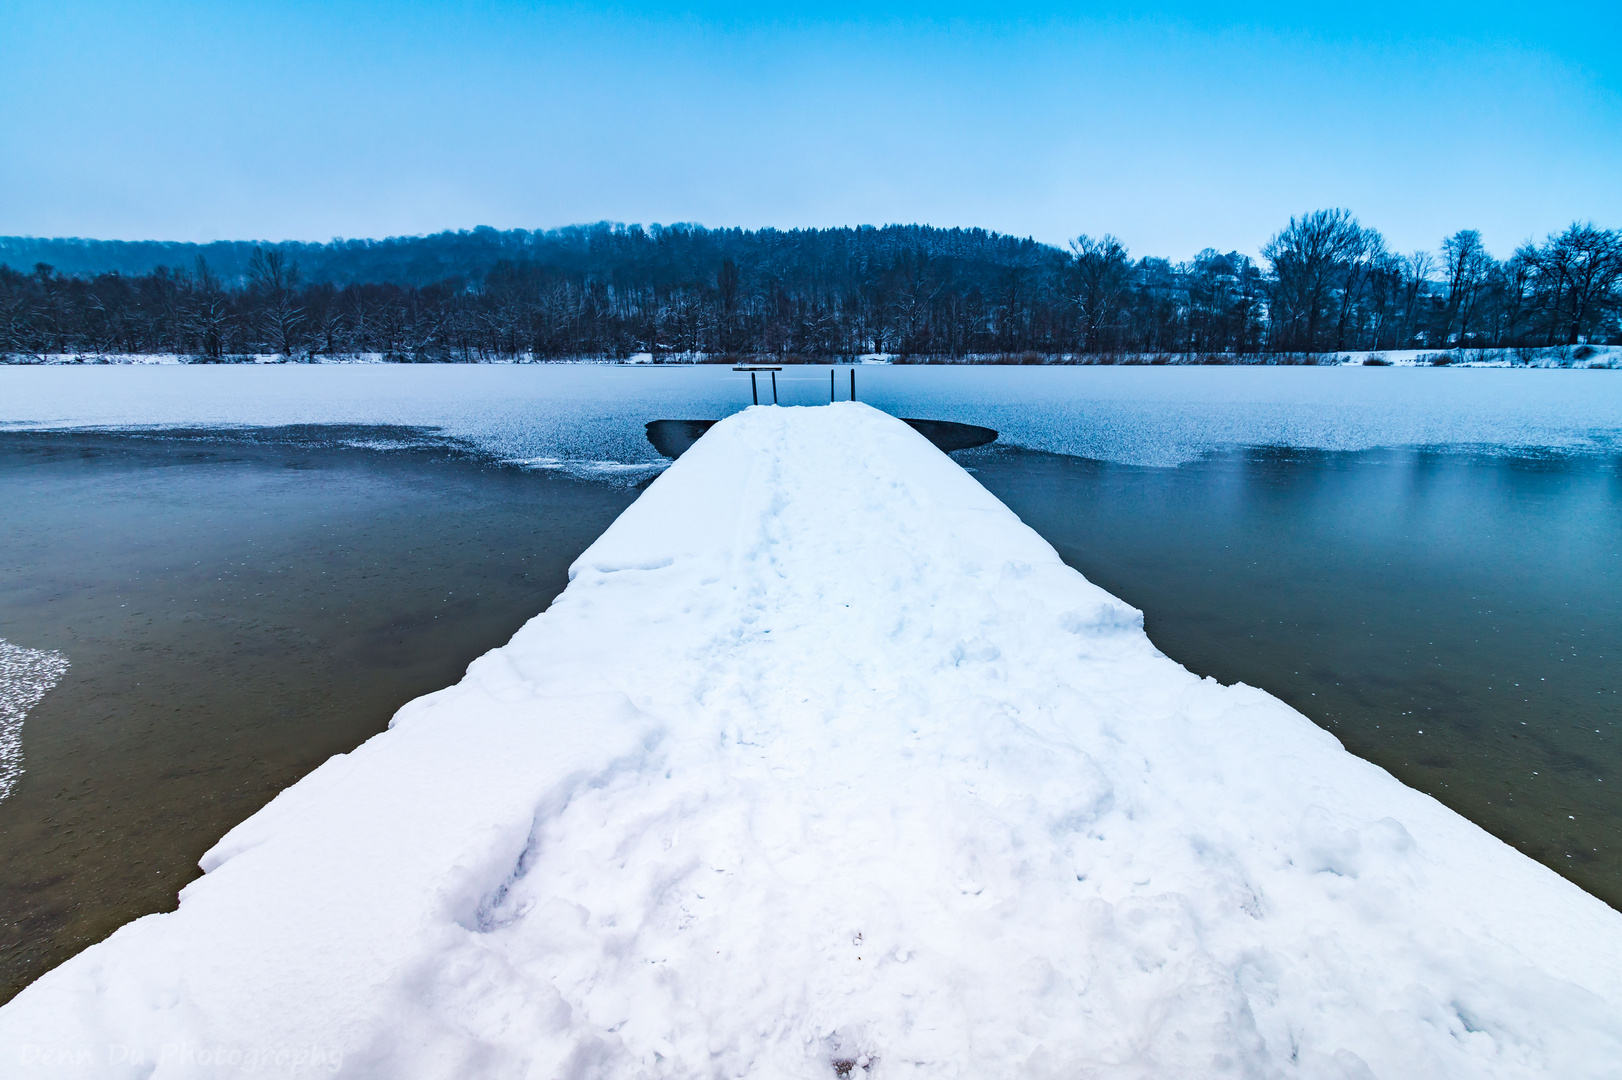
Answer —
1173 126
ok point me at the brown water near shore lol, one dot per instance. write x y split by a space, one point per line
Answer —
234 613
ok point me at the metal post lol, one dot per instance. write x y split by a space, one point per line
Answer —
853 384
830 386
774 388
753 389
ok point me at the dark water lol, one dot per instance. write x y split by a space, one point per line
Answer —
236 612
1454 618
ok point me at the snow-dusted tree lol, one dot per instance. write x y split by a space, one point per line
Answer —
273 279
726 287
207 313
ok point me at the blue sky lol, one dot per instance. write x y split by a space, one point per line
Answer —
1174 127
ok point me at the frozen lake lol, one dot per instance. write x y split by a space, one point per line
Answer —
593 413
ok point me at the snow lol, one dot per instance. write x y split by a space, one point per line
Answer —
1553 356
591 470
25 677
1558 356
825 764
594 413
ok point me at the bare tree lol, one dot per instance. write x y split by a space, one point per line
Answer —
1385 296
1581 269
1510 288
1468 266
1102 275
1308 257
1416 280
1363 252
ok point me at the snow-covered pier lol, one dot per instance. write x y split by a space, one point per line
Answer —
826 765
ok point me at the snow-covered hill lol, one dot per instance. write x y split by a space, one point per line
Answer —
825 765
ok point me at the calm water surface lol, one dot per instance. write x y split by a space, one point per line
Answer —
234 614
1454 618
1402 559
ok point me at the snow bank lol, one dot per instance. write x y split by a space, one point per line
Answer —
1554 356
825 765
170 359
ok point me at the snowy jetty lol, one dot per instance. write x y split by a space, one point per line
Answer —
826 766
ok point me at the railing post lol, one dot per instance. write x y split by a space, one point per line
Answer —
754 371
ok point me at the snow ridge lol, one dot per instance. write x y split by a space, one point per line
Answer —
825 765
25 677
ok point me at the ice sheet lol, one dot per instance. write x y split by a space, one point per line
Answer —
594 413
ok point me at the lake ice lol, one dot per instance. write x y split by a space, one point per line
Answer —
579 414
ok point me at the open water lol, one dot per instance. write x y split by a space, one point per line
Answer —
250 569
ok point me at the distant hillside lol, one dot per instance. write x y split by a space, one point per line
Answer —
662 255
1326 284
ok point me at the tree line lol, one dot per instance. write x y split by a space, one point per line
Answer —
1324 283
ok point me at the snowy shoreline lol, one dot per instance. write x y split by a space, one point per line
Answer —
1571 357
825 761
